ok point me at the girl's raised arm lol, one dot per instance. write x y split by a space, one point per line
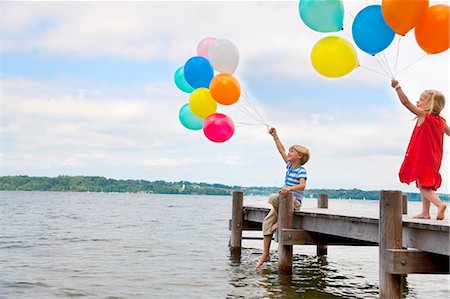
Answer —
405 101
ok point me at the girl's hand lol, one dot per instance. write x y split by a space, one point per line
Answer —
394 83
273 132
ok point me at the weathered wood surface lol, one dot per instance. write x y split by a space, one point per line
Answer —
425 235
236 222
285 251
390 236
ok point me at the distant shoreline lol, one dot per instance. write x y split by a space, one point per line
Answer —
102 184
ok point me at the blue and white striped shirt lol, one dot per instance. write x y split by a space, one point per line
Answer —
293 176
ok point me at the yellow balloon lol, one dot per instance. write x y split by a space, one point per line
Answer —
201 103
334 57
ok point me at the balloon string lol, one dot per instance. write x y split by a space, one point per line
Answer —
414 62
247 99
385 75
246 111
396 58
383 56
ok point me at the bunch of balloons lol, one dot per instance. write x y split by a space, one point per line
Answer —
208 89
373 30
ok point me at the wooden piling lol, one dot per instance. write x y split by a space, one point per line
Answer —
322 203
237 220
390 237
285 219
404 204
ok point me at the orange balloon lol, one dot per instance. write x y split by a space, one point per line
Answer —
225 89
432 31
403 15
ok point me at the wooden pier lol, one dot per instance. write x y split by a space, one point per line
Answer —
406 245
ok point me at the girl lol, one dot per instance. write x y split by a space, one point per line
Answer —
424 154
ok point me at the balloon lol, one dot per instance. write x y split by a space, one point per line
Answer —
189 120
218 127
180 81
224 56
201 103
203 46
334 57
403 15
225 89
198 72
370 32
322 15
432 31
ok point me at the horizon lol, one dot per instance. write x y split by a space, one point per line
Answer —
88 90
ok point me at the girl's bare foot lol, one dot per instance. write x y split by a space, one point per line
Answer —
441 211
262 260
422 216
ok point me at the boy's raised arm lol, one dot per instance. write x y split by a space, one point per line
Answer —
278 143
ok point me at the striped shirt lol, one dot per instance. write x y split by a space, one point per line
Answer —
293 176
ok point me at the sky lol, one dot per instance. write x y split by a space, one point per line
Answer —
88 89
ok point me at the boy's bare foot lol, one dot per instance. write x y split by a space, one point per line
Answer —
262 260
422 216
441 211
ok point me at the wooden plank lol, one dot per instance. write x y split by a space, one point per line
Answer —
352 228
435 241
406 261
302 237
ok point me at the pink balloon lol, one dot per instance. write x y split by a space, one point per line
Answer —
218 127
203 46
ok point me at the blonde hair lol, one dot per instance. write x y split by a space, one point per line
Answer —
302 151
435 103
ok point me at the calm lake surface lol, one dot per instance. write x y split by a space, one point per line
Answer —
106 245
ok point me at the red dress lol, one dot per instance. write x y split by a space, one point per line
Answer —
424 154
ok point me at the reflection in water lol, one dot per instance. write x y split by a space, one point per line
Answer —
312 277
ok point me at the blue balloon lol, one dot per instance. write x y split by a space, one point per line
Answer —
322 15
198 72
180 81
189 120
370 31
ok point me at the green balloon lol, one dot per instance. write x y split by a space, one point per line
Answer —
322 15
189 120
181 82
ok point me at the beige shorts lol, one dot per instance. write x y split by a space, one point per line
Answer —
272 217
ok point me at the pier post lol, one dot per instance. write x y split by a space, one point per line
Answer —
390 237
404 204
285 217
322 203
236 223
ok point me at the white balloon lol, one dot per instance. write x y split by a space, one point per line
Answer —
223 56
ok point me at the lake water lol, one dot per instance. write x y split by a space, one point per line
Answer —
102 245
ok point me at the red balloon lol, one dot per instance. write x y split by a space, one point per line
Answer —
432 31
218 127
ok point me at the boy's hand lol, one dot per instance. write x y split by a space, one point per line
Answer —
273 132
394 83
284 191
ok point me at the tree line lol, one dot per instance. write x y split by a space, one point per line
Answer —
102 184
